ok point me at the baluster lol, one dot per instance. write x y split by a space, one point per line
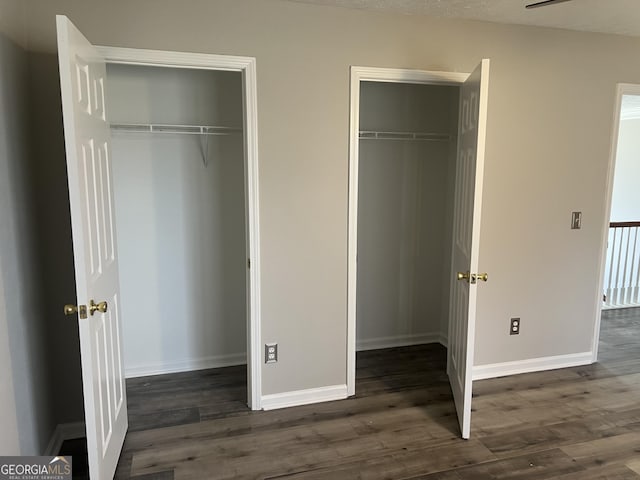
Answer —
628 298
616 284
626 283
612 248
635 269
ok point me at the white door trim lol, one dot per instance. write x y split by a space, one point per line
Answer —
247 67
621 89
371 74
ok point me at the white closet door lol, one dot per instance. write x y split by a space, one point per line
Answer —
466 236
87 138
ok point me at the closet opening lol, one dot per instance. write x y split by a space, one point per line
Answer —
178 161
403 167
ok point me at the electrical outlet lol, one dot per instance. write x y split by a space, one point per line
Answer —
514 326
271 353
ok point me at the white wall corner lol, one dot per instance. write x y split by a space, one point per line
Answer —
494 370
304 397
399 341
188 365
62 432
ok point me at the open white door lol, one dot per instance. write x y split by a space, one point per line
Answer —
466 236
87 139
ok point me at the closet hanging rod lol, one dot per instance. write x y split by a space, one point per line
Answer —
180 129
425 136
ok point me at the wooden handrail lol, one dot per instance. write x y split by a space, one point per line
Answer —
624 224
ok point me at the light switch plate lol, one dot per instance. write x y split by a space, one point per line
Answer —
576 220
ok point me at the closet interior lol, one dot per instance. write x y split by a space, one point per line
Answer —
406 179
178 182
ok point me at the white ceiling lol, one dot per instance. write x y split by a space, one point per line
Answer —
607 16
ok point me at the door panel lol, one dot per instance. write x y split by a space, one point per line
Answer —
87 139
466 235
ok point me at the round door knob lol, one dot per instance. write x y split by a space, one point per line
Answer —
70 309
464 276
97 307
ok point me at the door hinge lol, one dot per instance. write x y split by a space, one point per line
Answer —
248 263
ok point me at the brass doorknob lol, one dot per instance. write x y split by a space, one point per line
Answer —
464 276
482 276
97 307
473 277
81 310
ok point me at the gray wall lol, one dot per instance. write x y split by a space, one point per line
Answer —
9 441
180 222
13 21
51 197
403 202
25 393
547 151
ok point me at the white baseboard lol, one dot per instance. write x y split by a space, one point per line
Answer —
216 361
399 341
304 397
494 370
62 432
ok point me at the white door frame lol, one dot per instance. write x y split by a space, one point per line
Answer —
247 67
358 75
621 90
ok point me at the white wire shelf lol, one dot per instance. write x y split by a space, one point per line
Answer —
203 131
423 136
179 129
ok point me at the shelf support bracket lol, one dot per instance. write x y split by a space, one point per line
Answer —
204 144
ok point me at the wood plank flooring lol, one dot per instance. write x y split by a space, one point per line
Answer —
578 423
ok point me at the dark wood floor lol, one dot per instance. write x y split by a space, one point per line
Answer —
578 423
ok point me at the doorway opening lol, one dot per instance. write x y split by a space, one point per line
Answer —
178 182
620 263
184 162
415 189
406 180
179 197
